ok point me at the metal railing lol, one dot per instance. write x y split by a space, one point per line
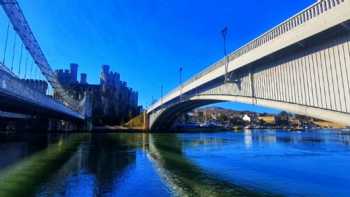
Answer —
307 14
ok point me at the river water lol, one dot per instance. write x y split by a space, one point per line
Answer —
246 163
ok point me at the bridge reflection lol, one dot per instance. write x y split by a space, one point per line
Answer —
83 164
184 177
25 176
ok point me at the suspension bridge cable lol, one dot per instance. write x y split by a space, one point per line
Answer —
20 61
39 75
34 73
31 69
25 66
6 41
13 51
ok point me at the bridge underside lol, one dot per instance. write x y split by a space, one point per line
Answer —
165 120
17 105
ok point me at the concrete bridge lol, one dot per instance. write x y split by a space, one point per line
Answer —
302 66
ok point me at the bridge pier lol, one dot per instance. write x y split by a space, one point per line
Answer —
146 126
87 125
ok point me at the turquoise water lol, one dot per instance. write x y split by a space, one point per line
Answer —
246 163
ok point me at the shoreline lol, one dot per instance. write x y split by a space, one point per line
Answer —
137 130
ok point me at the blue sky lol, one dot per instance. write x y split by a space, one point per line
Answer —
146 41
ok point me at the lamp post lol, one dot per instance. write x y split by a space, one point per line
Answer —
180 82
161 94
224 35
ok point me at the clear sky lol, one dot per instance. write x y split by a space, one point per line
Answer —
146 41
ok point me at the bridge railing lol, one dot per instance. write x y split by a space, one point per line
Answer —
300 18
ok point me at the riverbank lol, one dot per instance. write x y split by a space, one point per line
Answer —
126 130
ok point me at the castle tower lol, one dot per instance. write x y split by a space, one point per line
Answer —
74 72
104 77
83 78
104 74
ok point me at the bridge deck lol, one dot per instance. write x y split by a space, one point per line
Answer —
17 97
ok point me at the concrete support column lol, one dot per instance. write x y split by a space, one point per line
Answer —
51 125
145 121
252 86
88 126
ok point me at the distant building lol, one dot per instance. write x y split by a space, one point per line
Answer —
269 119
113 101
246 118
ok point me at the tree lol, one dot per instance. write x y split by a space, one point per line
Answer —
282 119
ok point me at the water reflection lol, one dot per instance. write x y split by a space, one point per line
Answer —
18 146
247 163
99 162
185 178
311 163
248 139
24 177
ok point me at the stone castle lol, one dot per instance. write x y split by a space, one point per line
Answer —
113 101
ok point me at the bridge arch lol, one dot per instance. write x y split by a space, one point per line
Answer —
165 118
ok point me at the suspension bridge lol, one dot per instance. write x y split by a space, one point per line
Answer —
27 81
